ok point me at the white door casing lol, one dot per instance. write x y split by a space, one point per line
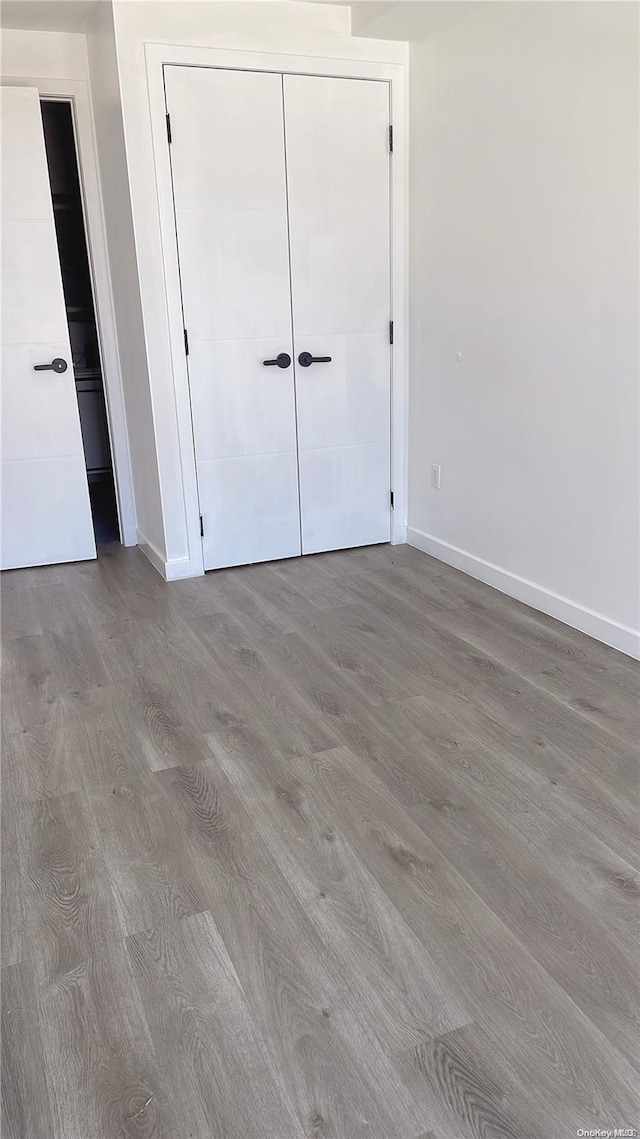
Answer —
45 508
337 133
228 166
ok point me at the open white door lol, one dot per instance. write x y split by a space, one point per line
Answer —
46 512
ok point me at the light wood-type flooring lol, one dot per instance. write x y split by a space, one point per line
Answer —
342 847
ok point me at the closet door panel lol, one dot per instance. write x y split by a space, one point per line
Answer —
240 286
252 507
235 409
228 167
340 266
338 187
345 403
231 130
345 491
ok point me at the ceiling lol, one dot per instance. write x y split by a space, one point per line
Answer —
411 20
382 19
47 15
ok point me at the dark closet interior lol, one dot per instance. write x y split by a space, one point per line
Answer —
81 318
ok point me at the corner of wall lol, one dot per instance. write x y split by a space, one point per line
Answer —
114 177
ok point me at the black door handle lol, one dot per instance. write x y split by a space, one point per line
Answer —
305 359
282 361
57 365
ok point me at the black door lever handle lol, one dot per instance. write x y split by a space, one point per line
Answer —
57 365
305 359
281 361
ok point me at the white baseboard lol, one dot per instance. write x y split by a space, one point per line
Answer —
173 569
594 624
151 552
178 568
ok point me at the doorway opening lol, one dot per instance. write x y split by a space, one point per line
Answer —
71 236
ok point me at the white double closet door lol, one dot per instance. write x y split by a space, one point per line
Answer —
281 192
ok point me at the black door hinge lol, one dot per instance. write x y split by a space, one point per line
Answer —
169 128
186 342
201 527
390 138
391 332
391 499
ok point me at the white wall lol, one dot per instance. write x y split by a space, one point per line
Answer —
297 28
524 258
56 55
124 275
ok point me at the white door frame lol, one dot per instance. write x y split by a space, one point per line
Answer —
76 93
157 55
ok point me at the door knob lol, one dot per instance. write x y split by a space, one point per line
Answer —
281 361
305 359
57 365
